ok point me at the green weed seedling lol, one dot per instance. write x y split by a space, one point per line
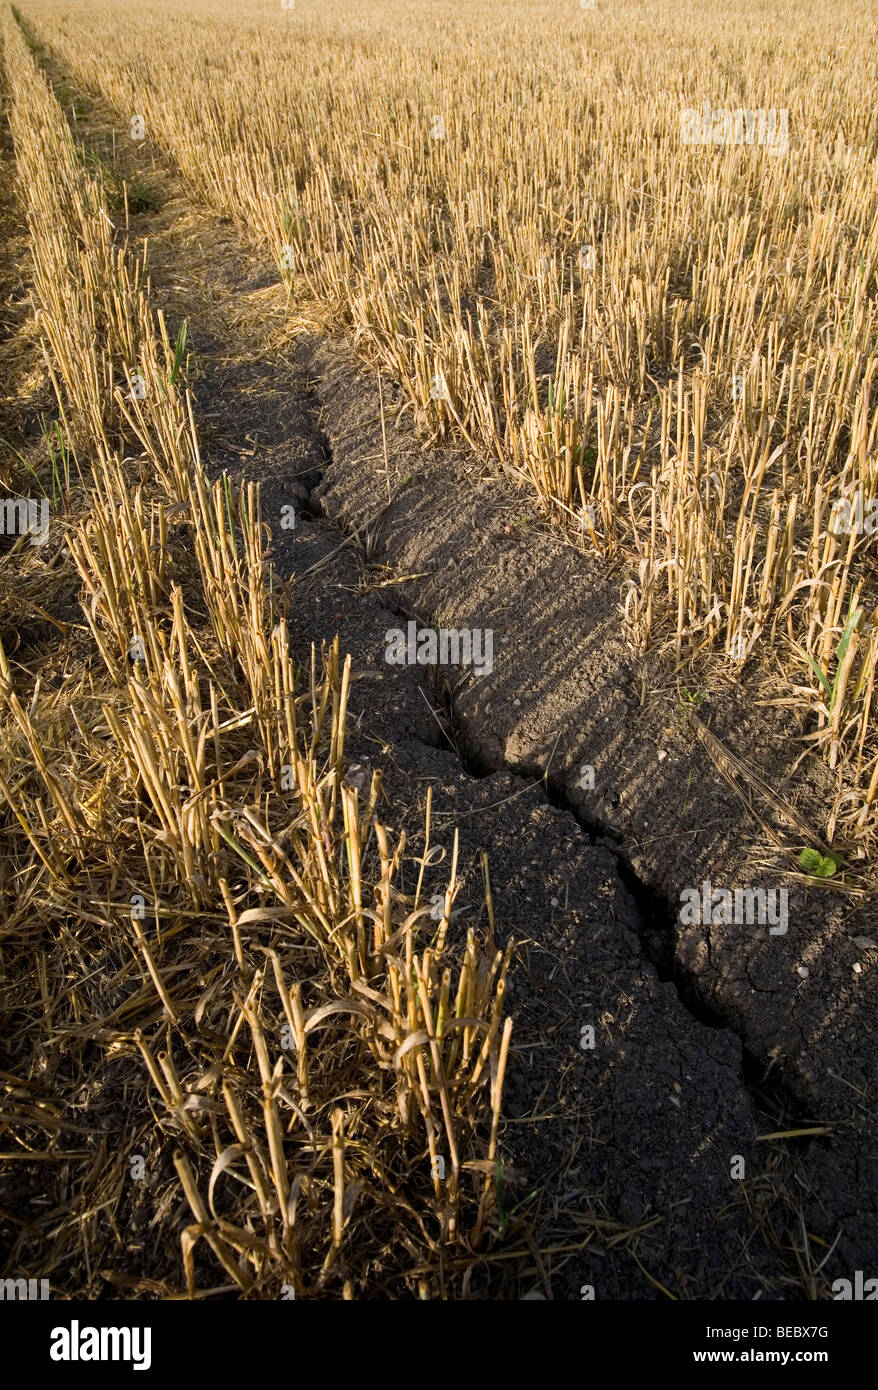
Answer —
820 865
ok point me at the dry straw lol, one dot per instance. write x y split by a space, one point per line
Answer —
312 1063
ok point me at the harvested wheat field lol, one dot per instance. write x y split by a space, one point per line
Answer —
438 635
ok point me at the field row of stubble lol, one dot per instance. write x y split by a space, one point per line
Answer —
670 344
209 952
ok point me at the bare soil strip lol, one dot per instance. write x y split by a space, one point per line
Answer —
566 696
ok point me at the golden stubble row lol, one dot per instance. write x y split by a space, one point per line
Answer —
333 1099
